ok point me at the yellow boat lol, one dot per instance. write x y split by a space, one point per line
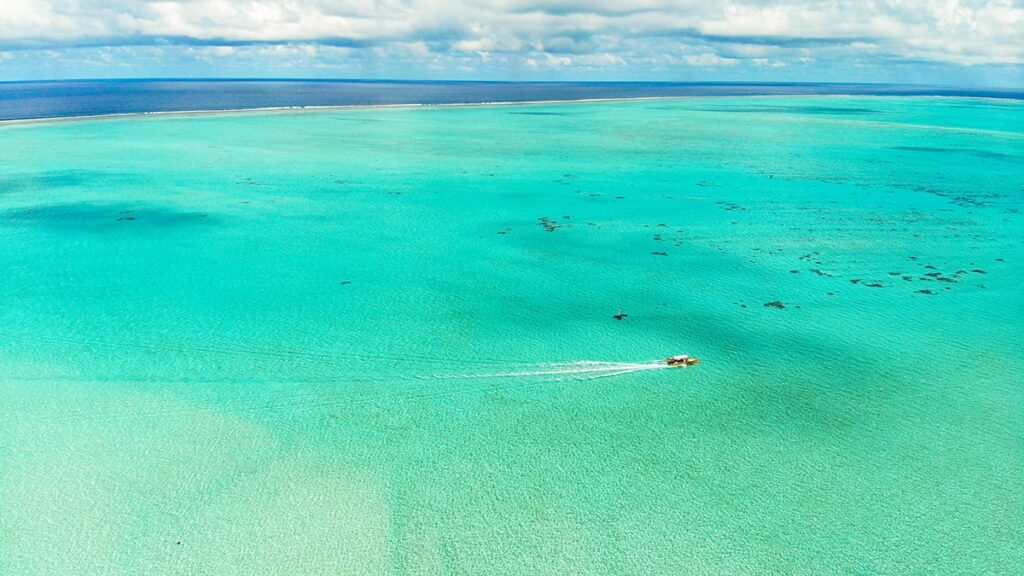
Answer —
681 360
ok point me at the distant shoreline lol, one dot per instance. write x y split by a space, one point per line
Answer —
343 107
329 107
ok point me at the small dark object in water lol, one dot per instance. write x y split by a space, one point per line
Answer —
925 292
775 304
126 219
659 253
908 278
621 315
912 257
934 274
794 271
978 271
875 285
1000 260
894 273
855 281
346 282
548 224
930 267
831 293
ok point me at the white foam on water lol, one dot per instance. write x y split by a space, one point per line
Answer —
306 400
584 370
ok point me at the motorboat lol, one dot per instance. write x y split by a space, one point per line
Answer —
682 360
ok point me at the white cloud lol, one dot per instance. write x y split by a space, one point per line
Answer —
542 33
709 59
601 60
553 61
768 63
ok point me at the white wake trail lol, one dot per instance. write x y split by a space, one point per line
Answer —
587 369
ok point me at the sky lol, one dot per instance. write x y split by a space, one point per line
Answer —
946 42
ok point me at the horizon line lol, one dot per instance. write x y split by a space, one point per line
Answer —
420 105
466 81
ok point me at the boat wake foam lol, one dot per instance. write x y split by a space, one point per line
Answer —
582 370
380 390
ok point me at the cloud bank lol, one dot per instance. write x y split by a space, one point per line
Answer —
982 40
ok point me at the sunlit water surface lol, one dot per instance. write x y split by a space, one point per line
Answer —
382 341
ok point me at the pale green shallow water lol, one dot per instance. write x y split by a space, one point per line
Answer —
241 344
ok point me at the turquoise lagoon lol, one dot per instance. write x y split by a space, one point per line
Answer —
368 341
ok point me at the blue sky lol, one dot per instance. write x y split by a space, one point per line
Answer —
952 42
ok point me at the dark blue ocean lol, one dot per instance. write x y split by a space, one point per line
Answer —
26 100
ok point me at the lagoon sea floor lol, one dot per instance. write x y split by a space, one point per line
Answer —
381 341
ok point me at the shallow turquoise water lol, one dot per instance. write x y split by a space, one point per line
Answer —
309 342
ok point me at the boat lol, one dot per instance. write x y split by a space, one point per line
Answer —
681 360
